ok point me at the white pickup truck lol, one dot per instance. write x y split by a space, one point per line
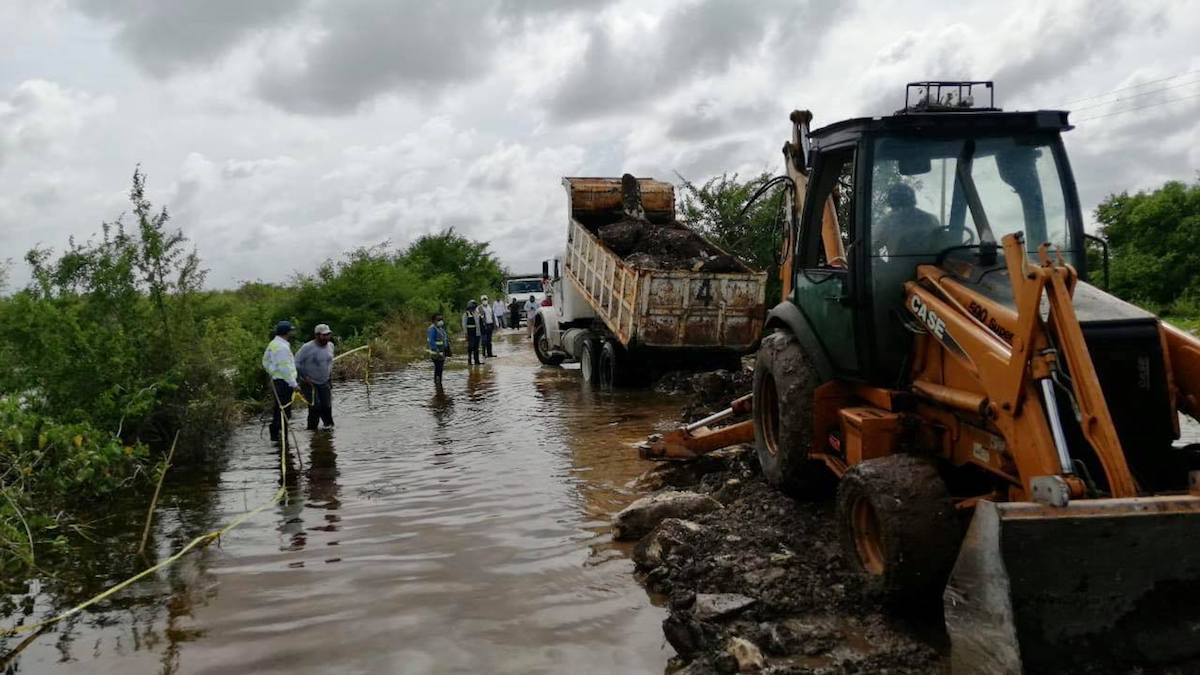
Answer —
623 322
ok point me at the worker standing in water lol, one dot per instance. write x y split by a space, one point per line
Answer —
489 324
439 346
514 313
279 363
314 364
531 308
498 312
471 326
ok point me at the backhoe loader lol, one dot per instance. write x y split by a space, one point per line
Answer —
1003 434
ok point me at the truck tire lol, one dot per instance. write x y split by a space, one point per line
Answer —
589 362
898 527
541 347
612 366
784 387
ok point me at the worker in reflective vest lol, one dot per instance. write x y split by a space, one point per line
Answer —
279 363
471 322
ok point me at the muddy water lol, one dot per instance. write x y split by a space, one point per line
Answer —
464 532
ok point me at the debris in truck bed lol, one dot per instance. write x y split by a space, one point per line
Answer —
667 246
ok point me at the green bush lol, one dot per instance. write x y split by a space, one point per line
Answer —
47 468
1155 243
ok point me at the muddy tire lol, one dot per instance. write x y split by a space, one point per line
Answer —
541 347
611 366
589 362
784 387
898 527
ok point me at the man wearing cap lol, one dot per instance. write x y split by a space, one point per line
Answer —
277 360
314 363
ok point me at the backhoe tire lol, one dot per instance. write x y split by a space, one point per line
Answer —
541 348
898 528
589 362
785 383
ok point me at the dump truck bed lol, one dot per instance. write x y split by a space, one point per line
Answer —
656 308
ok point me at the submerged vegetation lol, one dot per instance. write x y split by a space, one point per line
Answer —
114 346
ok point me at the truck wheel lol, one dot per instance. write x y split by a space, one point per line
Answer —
784 389
612 365
898 527
541 347
589 362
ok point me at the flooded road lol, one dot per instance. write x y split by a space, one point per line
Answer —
464 532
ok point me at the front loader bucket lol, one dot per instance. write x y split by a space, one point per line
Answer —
1095 584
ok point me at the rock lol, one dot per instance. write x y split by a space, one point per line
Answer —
682 600
728 492
654 548
684 635
711 606
749 658
637 519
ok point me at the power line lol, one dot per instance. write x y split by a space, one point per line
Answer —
1141 107
1135 96
1132 86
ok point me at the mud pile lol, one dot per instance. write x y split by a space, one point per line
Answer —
707 392
762 583
669 246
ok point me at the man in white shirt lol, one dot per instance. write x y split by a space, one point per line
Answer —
488 320
498 312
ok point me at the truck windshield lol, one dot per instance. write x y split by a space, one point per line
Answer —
519 286
931 194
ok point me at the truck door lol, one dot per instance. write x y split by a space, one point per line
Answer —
822 282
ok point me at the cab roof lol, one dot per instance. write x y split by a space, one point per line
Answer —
955 123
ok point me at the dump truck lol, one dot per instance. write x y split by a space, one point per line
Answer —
1003 435
625 318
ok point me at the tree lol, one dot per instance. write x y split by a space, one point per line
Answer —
717 209
470 264
1155 242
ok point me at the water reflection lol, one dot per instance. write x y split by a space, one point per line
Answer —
468 524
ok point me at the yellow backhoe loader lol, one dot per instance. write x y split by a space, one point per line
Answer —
1003 434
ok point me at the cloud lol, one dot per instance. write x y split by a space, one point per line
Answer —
164 36
44 117
627 66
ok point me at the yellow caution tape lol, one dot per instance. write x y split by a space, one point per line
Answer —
202 540
198 542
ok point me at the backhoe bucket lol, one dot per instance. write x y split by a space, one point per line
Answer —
1096 583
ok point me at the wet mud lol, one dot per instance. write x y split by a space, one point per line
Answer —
807 613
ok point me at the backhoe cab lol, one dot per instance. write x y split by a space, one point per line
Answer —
939 351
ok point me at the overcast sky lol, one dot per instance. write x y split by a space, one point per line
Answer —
283 132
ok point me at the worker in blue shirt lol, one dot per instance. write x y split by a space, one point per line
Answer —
439 346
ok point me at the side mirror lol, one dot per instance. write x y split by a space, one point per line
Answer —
557 274
545 268
1103 252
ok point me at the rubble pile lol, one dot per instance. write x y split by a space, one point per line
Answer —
669 246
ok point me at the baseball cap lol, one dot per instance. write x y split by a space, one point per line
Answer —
322 329
283 327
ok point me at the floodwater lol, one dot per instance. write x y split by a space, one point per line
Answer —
456 532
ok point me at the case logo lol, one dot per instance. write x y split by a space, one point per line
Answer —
934 323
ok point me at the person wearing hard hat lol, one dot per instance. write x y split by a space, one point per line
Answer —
488 318
471 323
279 363
314 364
